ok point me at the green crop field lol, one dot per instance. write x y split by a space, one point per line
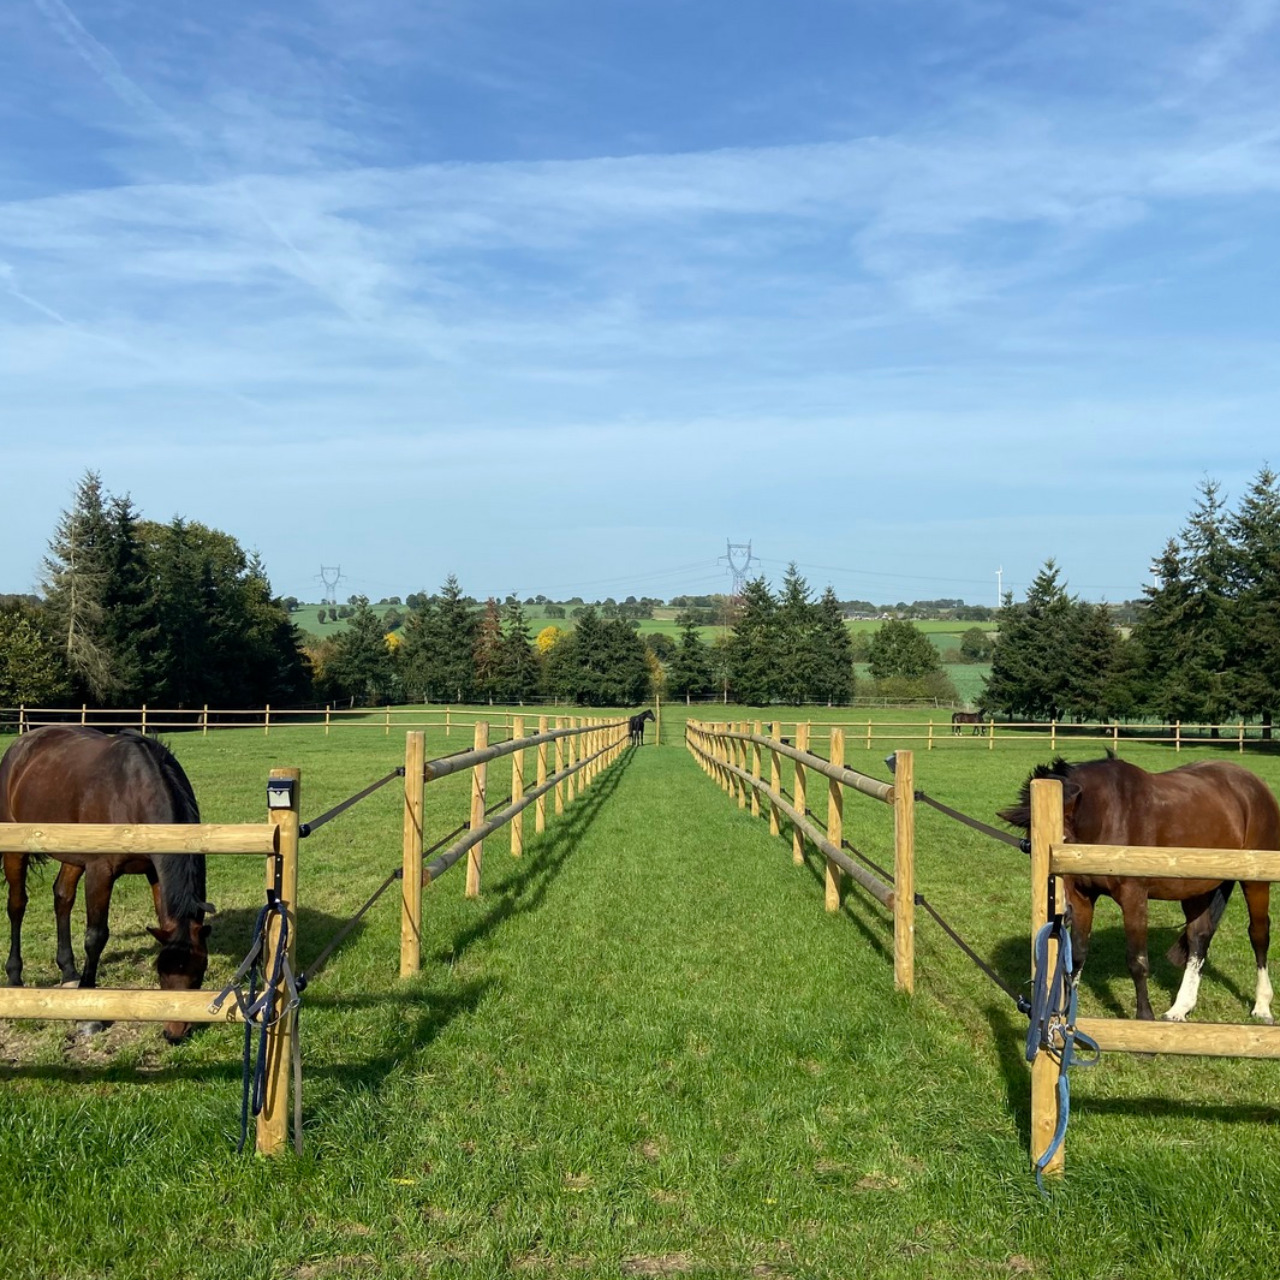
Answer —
646 1049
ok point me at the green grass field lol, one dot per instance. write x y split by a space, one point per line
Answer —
645 1050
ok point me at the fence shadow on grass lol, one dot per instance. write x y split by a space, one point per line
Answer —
856 905
544 858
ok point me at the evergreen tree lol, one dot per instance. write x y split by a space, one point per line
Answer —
1057 656
754 647
488 652
1188 631
689 671
625 680
75 582
1255 581
454 642
418 636
798 660
130 627
362 666
832 653
520 666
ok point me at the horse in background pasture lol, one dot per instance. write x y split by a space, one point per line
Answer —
635 726
1208 805
961 718
71 773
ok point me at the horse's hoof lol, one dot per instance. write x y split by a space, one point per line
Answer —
91 1028
1175 1017
1265 1018
72 982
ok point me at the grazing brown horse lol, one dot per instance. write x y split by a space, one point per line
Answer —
1209 805
69 773
959 718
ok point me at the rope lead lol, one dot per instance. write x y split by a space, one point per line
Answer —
261 1010
1053 1028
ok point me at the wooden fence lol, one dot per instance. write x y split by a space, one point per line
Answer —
277 839
1057 735
583 748
451 719
722 749
1051 858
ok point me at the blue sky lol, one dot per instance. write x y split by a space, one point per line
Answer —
559 296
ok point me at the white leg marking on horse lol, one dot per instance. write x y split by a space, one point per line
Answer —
1262 1004
1187 993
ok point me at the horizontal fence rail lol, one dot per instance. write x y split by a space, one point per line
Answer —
721 749
149 838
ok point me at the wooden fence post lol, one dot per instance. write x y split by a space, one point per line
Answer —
415 755
1053 735
282 877
835 821
266 721
448 722
904 873
1046 830
1242 737
561 723
517 788
991 735
479 773
144 719
575 754
328 707
84 712
657 719
930 735
540 804
775 778
1177 736
798 793
758 730
204 721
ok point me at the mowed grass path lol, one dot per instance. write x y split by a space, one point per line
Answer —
646 1050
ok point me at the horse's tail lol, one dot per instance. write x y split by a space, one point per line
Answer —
1178 953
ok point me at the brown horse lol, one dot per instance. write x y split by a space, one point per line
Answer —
69 773
959 718
1211 805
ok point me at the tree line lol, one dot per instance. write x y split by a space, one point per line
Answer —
1205 644
133 611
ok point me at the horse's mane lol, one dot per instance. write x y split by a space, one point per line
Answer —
1019 815
182 875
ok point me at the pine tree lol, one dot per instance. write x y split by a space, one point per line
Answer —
833 653
488 652
689 671
455 643
1189 627
362 666
754 646
75 582
798 661
1254 531
520 667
